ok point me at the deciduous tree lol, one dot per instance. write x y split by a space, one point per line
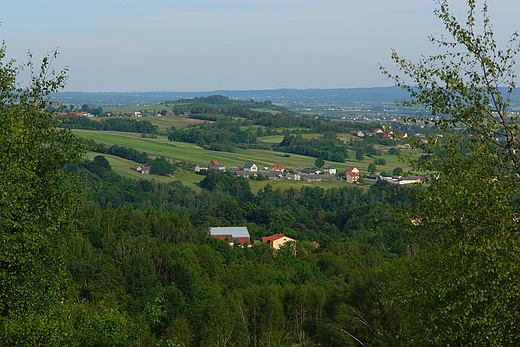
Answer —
37 194
465 274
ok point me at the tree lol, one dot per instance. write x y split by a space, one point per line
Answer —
397 171
393 151
372 168
465 222
319 162
359 154
37 196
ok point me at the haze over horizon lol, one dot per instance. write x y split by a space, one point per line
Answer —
205 45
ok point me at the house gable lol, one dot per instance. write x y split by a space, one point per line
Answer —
213 163
352 169
277 240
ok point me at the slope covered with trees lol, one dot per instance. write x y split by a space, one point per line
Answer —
129 262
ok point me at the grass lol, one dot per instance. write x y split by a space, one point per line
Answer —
191 153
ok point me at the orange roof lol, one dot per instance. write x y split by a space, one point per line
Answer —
272 238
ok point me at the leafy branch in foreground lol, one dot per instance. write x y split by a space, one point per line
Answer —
462 288
36 199
467 90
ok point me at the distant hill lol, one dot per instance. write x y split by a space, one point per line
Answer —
376 95
379 95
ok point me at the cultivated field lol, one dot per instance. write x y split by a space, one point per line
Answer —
193 154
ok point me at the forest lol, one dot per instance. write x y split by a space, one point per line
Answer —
90 258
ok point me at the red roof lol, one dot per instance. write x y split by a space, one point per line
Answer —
354 174
278 167
230 238
272 238
213 163
350 168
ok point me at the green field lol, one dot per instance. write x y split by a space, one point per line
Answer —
193 154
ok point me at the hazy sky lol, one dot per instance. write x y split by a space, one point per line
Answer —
205 45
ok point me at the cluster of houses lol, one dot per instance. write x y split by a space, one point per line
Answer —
382 133
306 173
240 236
278 171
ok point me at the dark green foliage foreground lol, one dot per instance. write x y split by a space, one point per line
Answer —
151 259
129 263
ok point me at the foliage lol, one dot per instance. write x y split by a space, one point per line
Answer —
333 150
115 124
360 154
37 195
463 287
397 171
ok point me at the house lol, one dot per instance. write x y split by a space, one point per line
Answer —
292 176
200 167
213 163
232 235
352 169
409 180
378 131
307 170
277 240
311 178
250 167
278 167
246 174
402 180
375 176
145 169
273 175
329 177
219 167
330 170
352 177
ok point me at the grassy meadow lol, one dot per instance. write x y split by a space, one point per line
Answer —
193 154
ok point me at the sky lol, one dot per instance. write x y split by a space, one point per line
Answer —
206 45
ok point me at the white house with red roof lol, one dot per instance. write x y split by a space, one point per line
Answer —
352 169
278 167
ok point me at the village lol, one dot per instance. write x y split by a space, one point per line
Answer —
306 173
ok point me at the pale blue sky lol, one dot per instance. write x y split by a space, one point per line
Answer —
205 45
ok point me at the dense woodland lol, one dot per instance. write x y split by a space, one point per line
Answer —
143 247
88 258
